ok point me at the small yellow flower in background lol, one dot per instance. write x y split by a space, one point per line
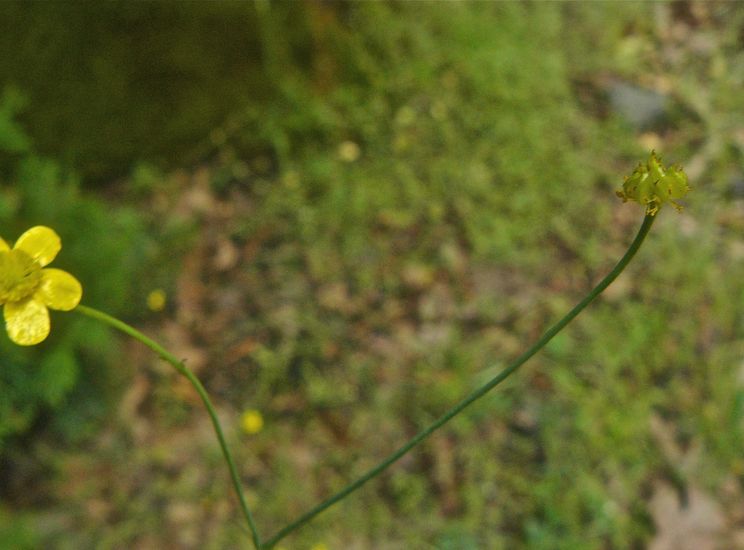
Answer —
651 184
251 421
156 300
27 290
349 151
319 546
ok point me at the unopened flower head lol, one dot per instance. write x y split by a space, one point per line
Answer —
27 289
651 184
251 421
156 300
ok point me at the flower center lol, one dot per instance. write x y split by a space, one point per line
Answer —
20 276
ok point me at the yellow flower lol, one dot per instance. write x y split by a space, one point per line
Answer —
319 546
651 184
27 290
156 300
349 151
251 421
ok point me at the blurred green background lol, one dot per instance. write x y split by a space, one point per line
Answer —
358 212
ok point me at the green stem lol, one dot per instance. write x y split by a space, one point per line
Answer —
181 367
475 395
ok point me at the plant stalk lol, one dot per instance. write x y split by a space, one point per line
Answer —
181 367
405 448
472 397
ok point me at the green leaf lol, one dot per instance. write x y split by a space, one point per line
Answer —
57 374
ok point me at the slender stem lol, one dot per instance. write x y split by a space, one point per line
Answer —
475 395
184 370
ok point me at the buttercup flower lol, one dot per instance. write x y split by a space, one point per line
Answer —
651 184
27 289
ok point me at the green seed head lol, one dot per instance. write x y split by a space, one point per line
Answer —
651 184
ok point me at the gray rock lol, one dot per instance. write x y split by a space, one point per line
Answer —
736 187
641 107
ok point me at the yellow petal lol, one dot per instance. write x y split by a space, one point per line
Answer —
3 245
41 243
27 321
59 289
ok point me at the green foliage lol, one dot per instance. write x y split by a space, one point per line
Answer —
433 187
146 81
12 138
17 532
451 163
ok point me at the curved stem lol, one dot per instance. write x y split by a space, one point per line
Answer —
184 370
475 395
